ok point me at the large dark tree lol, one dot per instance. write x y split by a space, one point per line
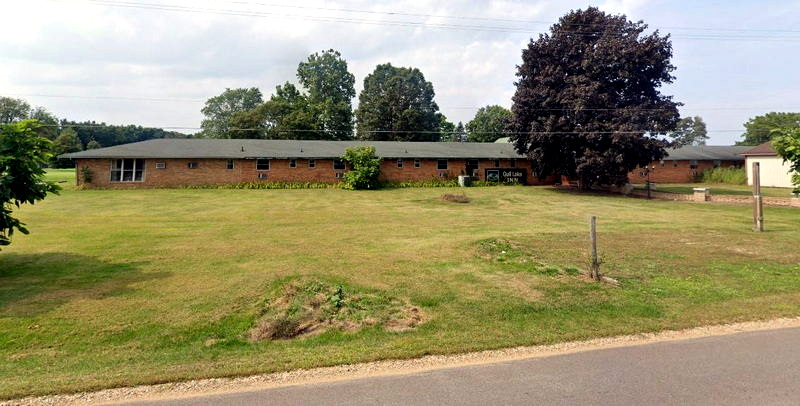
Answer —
397 104
587 103
331 90
286 115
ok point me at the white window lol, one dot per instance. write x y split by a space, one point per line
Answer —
338 164
127 170
339 175
229 164
441 164
312 163
262 164
293 163
399 162
192 165
417 163
661 163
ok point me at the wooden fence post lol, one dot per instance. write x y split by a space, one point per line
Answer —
594 265
758 205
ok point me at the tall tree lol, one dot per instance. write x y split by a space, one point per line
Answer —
689 131
397 104
761 129
220 109
23 153
13 110
460 133
447 130
587 103
65 143
489 124
286 115
330 90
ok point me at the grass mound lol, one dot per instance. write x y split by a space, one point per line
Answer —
456 198
302 308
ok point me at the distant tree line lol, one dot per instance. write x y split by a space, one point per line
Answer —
73 136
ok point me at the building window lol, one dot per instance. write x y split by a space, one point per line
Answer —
399 162
229 165
192 165
496 163
661 163
293 163
417 163
161 165
674 164
441 164
693 164
338 164
339 175
262 164
717 163
312 163
513 163
127 170
262 175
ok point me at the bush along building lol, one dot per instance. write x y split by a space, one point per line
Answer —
195 162
687 164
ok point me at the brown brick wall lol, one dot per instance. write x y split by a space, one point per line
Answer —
213 171
676 171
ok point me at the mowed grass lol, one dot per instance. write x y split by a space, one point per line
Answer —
117 288
720 189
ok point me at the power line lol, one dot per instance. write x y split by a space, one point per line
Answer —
250 13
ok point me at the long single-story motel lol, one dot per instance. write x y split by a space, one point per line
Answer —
191 162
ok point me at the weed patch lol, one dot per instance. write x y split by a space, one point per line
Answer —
455 198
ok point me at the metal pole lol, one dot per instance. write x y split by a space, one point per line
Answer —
594 264
758 206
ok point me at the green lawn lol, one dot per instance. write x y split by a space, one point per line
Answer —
129 287
720 189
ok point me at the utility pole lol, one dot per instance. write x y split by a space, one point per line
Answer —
758 206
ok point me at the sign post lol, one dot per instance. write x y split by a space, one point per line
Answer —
594 264
758 206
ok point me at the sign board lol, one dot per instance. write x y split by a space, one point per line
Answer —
504 175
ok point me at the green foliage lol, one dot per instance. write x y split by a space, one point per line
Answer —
787 144
330 88
434 182
489 124
219 110
397 104
690 131
365 168
87 175
108 135
446 129
93 145
761 129
48 123
22 155
286 115
13 110
66 142
608 115
269 185
731 175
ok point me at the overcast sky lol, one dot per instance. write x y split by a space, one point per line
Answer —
101 57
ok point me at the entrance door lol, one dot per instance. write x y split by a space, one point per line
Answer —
472 168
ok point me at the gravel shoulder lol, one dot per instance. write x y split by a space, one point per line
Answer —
387 367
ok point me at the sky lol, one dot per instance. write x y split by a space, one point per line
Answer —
154 63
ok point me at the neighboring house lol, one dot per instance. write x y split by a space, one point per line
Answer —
687 163
186 162
774 172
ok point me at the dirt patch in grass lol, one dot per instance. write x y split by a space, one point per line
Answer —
302 308
456 198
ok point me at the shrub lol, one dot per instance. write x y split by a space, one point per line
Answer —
731 175
434 182
87 175
365 168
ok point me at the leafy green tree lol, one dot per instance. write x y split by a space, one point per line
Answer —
761 129
48 122
690 131
219 110
23 153
13 110
65 143
461 133
588 104
365 168
489 124
286 115
786 142
93 145
446 129
109 135
397 104
330 88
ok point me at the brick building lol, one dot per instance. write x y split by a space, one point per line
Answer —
686 164
185 162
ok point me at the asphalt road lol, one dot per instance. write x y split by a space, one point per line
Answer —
754 368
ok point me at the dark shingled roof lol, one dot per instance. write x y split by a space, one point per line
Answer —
164 148
764 149
706 152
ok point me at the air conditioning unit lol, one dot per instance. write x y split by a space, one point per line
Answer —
161 165
262 175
